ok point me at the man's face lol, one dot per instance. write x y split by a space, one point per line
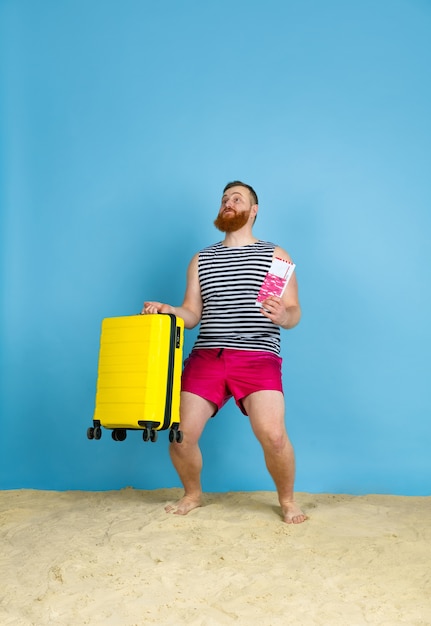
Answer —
235 210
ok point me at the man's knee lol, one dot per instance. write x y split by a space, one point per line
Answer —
273 441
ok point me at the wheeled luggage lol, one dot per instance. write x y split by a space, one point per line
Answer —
139 376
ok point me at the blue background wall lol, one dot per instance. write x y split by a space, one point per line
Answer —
120 124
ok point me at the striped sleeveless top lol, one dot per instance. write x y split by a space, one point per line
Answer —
230 279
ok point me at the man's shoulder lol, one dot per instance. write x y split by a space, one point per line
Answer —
281 253
210 248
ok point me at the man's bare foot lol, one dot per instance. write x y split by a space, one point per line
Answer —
184 506
292 514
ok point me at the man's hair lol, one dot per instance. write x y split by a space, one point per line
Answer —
238 183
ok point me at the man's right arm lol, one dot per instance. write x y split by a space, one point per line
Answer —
191 309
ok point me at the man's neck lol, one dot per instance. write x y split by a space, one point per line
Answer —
239 238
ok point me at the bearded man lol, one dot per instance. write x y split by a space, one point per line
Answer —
236 353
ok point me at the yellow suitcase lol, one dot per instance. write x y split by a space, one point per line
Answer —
139 376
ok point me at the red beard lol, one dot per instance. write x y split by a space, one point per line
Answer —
231 222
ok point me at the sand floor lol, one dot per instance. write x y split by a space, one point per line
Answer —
116 558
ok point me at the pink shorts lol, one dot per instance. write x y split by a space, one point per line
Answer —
217 374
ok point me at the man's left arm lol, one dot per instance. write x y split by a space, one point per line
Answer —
284 311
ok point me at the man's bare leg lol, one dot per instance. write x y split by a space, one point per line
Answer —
186 456
266 412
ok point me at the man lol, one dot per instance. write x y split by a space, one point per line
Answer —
236 353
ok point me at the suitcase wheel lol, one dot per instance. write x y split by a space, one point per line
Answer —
119 434
97 432
94 432
149 434
175 435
